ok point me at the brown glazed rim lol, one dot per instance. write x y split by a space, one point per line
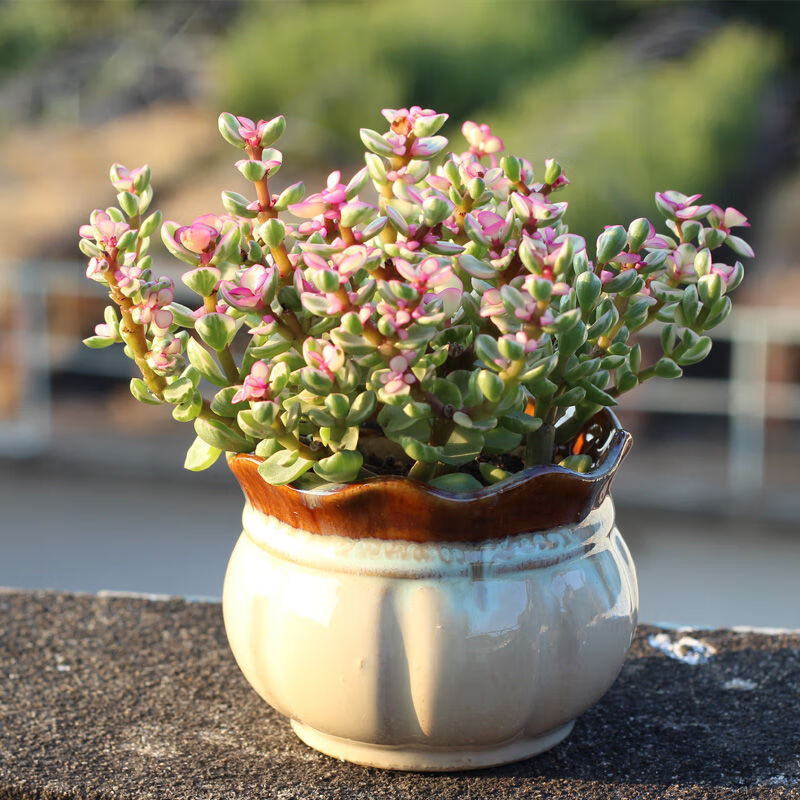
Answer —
396 508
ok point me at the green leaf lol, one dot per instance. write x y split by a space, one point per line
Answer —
635 358
619 349
266 447
229 128
739 246
579 463
667 368
148 227
200 455
596 395
217 434
320 417
695 353
235 203
272 131
690 304
638 232
624 283
204 363
188 409
338 405
202 280
222 405
511 349
179 391
492 474
362 408
140 391
664 293
98 342
520 422
292 194
603 324
625 380
588 287
341 467
571 397
393 420
315 381
447 392
541 369
462 447
612 362
274 346
500 440
457 482
477 269
710 288
541 387
419 451
349 439
491 386
265 412
284 467
487 351
719 313
375 143
216 330
637 312
352 343
291 417
610 243
571 341
182 315
563 322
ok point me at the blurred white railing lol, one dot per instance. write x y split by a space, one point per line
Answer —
748 398
25 349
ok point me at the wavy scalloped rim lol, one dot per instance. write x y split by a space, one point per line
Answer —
535 499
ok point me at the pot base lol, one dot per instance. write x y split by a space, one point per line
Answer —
430 759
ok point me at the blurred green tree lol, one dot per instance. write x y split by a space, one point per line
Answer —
331 66
621 126
570 80
30 29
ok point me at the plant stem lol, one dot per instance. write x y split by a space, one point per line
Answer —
229 365
134 336
347 235
388 234
282 260
291 442
539 446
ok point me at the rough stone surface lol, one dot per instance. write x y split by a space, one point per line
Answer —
114 697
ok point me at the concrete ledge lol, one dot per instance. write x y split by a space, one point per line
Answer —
123 697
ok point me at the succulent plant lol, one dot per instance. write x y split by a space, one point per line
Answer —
435 300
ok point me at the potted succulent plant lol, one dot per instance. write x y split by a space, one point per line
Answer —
410 373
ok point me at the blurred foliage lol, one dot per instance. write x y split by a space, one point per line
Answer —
623 130
568 80
574 80
30 29
333 65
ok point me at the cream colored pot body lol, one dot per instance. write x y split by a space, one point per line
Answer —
431 656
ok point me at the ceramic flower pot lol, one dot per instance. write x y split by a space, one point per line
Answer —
404 627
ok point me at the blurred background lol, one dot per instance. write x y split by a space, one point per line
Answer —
631 96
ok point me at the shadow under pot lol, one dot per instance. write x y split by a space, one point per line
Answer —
400 626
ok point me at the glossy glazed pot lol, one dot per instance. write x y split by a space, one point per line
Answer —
400 626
